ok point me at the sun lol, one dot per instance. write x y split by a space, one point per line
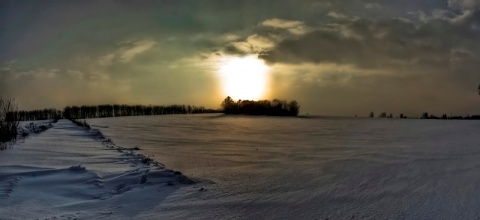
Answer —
244 77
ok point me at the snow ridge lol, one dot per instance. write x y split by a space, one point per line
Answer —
74 172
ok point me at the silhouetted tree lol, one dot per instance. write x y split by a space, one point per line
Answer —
229 106
9 120
293 107
425 115
372 115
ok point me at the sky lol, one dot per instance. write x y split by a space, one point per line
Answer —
335 57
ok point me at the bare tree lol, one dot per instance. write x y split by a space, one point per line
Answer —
9 120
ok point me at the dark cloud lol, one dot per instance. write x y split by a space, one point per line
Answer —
464 4
371 43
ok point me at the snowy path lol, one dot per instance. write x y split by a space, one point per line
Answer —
68 172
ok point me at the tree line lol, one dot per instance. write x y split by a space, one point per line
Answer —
45 114
102 111
262 107
425 115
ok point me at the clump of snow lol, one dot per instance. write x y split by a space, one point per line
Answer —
70 172
27 128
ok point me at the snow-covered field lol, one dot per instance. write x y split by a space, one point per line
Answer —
245 168
311 168
68 172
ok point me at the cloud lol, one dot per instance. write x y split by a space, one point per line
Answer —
268 34
372 44
231 37
324 73
127 51
294 27
372 6
281 23
340 16
464 4
239 47
436 14
260 43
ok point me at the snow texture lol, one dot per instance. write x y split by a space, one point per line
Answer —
245 168
311 168
69 172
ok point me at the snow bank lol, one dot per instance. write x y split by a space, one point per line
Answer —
70 172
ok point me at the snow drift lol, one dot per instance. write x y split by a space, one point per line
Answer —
70 172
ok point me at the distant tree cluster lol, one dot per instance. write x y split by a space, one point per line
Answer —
389 115
263 107
102 111
425 115
382 115
385 115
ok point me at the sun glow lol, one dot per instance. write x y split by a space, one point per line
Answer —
244 77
